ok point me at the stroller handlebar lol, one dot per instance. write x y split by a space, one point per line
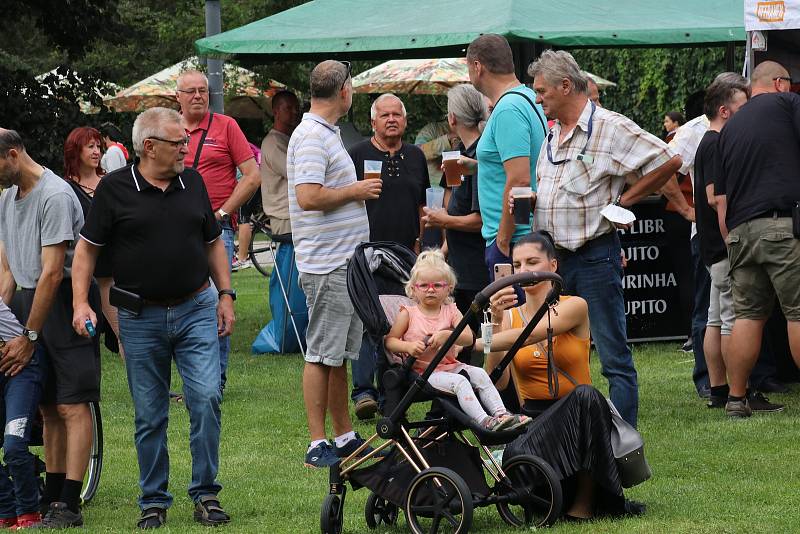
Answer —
478 304
523 279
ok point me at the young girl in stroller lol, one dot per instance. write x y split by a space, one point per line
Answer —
422 329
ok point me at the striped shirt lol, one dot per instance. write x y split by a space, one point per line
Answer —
570 196
323 240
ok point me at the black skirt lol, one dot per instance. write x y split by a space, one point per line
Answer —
573 435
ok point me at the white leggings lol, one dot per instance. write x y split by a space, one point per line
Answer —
455 383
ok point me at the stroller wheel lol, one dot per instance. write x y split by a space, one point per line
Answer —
438 500
378 511
534 491
331 517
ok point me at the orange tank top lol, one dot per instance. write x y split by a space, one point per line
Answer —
571 354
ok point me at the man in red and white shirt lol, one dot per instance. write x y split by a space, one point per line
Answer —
217 147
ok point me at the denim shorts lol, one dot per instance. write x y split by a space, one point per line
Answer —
765 260
334 329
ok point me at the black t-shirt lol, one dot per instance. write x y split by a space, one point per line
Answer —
760 158
102 268
466 249
157 239
394 216
706 171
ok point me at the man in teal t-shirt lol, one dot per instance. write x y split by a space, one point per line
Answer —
509 147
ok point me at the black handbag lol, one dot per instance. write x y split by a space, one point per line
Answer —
628 447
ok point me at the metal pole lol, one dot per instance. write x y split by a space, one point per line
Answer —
524 53
730 57
213 27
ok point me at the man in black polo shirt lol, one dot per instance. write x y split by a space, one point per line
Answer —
157 219
394 216
726 94
759 150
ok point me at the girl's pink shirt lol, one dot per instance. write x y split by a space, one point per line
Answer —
421 326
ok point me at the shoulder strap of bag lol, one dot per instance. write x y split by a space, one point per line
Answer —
202 141
552 369
535 109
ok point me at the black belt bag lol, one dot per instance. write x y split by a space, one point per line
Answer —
796 220
126 300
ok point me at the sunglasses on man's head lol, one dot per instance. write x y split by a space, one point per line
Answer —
349 71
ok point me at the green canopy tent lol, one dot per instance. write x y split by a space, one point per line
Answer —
382 29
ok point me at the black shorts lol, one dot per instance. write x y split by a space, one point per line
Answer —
248 208
72 362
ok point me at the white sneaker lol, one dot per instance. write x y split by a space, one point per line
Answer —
239 264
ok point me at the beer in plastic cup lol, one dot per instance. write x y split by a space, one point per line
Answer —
372 169
452 170
522 204
434 198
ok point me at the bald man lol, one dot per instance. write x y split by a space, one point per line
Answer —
756 193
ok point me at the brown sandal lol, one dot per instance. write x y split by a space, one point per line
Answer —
208 512
153 517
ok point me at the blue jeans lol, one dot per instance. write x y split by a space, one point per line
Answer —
594 272
18 405
188 333
228 237
364 370
702 296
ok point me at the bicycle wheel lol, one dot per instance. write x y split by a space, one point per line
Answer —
92 478
260 255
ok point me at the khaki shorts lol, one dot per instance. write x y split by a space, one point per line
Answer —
334 329
720 309
765 261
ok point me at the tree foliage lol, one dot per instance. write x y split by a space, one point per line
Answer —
124 41
651 82
45 111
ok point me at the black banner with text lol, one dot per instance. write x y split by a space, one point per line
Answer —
652 303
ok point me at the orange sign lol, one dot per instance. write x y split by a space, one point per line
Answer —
770 11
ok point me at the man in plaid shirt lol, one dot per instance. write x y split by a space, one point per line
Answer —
582 168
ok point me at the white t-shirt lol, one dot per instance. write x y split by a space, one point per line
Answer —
113 159
685 142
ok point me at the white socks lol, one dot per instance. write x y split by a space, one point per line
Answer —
342 440
315 443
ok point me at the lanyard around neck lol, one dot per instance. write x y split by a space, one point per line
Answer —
582 155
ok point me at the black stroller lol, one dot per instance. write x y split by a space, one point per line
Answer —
432 470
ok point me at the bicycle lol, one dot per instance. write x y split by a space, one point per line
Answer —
91 480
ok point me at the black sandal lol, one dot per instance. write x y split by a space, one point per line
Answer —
208 512
152 518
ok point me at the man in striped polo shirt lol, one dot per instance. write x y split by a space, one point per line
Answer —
329 219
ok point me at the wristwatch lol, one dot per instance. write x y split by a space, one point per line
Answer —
223 215
229 292
32 335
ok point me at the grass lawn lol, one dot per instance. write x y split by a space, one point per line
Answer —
710 474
